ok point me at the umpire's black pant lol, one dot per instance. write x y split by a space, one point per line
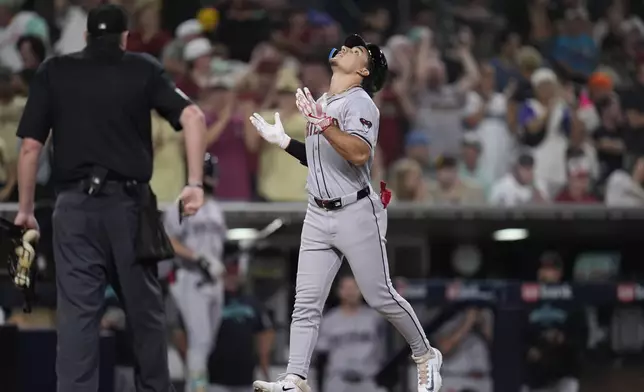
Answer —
94 243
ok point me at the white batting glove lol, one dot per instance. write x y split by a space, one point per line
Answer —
312 110
272 133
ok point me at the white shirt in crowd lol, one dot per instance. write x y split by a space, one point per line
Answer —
623 191
497 144
72 36
508 192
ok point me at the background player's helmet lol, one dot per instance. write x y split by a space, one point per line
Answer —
377 63
210 172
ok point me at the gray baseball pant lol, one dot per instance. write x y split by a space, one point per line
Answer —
358 232
201 309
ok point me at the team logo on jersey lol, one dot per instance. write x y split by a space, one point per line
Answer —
366 123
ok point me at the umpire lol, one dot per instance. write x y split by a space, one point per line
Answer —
97 103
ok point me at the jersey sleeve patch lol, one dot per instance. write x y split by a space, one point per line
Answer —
366 123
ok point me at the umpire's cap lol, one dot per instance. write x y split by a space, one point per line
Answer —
377 63
108 19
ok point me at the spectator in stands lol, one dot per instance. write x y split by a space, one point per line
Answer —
528 61
14 24
599 94
441 103
417 147
280 177
265 63
245 339
147 36
556 337
609 31
519 187
11 108
485 115
351 344
450 189
198 56
633 105
469 167
316 74
574 49
295 35
72 22
378 18
579 185
624 189
609 135
546 124
32 52
505 64
243 25
172 57
325 32
169 175
407 182
230 136
395 101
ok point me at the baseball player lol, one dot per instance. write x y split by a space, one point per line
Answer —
197 287
344 216
351 343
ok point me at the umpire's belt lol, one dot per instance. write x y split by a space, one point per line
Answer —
336 204
108 187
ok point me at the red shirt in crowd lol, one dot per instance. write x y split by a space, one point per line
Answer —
188 86
153 46
232 156
566 197
390 133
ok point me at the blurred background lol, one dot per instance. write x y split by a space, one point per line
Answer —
511 135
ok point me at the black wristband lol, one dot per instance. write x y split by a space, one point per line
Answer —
297 150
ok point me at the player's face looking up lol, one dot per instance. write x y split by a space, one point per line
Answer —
352 60
349 292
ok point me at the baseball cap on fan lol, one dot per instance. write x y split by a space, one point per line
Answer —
108 19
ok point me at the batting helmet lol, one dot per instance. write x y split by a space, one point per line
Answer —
377 63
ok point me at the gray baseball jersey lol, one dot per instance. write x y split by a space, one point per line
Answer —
356 231
353 342
203 233
330 175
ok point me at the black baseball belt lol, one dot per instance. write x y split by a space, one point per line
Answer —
338 203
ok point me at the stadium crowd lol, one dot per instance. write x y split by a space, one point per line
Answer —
482 110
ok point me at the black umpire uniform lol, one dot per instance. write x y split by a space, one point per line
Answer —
97 103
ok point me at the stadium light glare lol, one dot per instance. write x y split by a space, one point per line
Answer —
510 235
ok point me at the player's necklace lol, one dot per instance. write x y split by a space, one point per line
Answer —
343 91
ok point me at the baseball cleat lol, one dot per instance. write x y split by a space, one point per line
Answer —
429 366
289 383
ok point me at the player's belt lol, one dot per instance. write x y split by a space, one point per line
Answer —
336 204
